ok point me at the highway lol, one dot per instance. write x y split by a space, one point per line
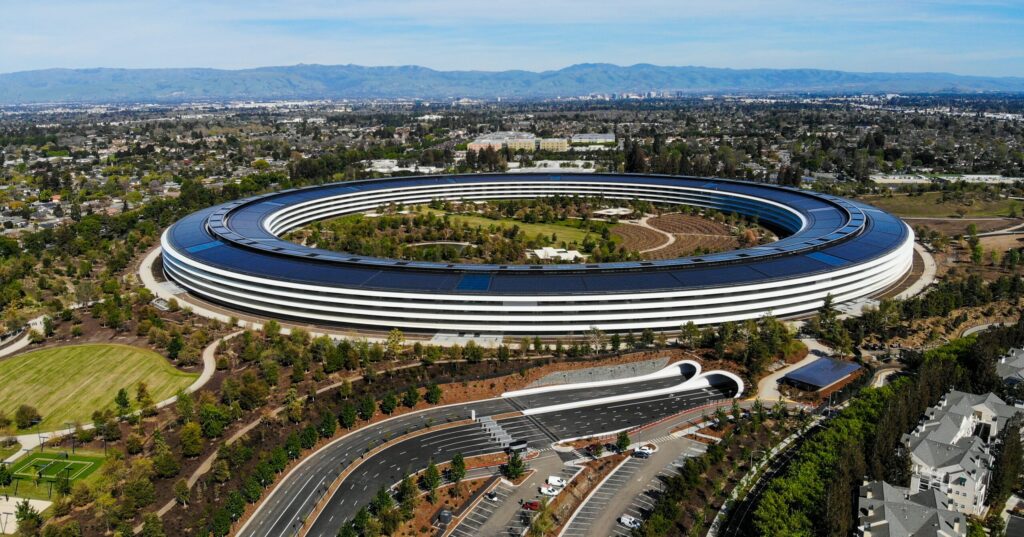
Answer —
282 513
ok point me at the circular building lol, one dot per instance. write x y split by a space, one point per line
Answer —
232 255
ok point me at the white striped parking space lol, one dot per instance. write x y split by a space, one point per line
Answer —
600 499
643 503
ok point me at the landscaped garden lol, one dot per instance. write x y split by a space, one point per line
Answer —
67 384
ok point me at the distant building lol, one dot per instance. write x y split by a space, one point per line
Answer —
559 145
500 140
593 138
548 253
885 510
951 449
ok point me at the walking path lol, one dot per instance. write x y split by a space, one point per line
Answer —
671 238
32 440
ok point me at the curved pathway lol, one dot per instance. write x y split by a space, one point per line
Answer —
31 441
671 237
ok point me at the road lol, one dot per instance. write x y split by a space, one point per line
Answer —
295 497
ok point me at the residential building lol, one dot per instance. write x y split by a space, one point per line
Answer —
885 510
950 450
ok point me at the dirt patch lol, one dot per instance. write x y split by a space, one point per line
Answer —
958 226
689 225
1002 243
638 238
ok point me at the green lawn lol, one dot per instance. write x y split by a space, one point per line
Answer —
35 472
567 231
7 451
927 206
68 384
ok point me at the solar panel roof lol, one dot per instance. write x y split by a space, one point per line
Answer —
233 237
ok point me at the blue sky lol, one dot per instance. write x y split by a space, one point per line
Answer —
965 37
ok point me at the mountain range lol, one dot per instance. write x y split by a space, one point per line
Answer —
106 85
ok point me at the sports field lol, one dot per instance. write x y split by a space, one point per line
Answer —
68 384
36 471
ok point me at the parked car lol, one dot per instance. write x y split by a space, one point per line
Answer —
532 505
641 454
491 496
630 522
556 481
548 490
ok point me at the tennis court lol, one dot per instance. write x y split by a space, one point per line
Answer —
55 465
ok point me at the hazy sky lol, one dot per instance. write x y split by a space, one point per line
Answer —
959 36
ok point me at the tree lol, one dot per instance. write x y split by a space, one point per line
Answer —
185 406
689 335
191 438
367 406
432 480
388 403
433 395
622 441
182 494
394 343
26 416
411 397
1007 469
457 469
123 403
328 424
347 416
515 467
152 526
408 496
29 519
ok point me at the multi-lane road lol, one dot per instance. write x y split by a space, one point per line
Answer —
285 509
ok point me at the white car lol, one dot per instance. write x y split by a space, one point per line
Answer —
646 448
630 522
548 490
556 481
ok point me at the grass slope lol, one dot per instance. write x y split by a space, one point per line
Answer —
927 205
69 383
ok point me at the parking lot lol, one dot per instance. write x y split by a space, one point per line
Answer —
599 515
503 517
641 505
599 500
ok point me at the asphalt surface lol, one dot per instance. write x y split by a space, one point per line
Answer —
296 496
282 513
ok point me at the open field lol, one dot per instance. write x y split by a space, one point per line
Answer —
958 226
37 471
928 205
565 231
67 384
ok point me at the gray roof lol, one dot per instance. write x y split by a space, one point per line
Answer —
885 510
1011 366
